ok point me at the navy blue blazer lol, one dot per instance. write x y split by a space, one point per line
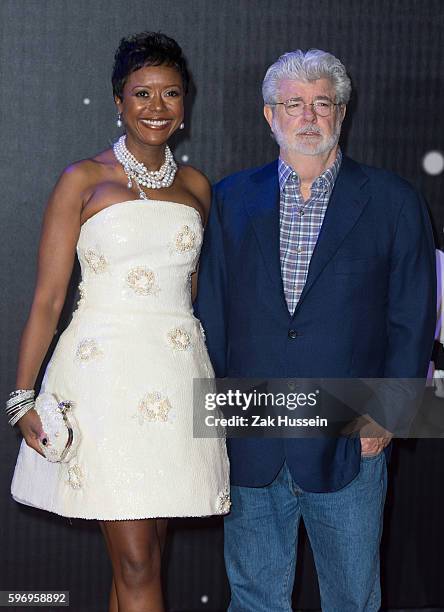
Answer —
367 309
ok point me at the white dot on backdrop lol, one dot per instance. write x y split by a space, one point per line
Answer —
86 101
185 158
433 162
204 599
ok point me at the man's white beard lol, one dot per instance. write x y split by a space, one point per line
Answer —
293 145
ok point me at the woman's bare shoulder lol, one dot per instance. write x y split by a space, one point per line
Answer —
81 175
91 166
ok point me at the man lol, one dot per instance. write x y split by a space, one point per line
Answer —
313 266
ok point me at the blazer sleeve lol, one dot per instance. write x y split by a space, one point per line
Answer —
412 293
210 305
411 318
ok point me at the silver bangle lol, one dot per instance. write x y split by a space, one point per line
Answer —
18 397
17 407
20 392
19 415
19 403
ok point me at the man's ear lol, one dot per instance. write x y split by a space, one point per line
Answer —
268 114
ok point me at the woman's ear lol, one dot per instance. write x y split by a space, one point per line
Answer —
118 102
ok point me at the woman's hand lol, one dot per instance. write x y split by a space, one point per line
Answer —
32 430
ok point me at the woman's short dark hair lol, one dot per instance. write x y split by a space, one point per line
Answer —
146 49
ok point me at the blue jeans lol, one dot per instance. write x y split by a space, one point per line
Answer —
344 528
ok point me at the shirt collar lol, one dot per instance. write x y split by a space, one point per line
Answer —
324 182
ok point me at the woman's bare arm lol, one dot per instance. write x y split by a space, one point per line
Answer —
60 232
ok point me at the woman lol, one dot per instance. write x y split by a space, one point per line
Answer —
133 347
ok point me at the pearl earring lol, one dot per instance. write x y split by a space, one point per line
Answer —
119 120
181 126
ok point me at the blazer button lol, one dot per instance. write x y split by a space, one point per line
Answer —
293 334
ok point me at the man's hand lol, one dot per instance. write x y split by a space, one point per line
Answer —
373 446
374 438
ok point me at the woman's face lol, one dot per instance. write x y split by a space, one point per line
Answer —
152 104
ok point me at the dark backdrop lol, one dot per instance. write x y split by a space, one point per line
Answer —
56 107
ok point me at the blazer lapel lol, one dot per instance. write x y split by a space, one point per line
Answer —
347 202
262 204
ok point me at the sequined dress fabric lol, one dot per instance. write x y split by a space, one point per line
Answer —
127 361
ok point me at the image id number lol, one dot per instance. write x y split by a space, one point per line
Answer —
34 598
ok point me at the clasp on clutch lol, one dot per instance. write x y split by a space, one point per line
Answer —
64 406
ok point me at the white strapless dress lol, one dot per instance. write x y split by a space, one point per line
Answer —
127 360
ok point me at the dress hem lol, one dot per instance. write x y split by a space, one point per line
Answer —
120 518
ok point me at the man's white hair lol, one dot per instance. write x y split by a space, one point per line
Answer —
307 66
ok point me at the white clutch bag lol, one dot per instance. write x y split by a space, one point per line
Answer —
61 427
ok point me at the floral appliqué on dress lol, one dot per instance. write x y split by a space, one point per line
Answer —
142 281
75 476
82 297
224 502
185 240
82 293
179 339
96 261
88 349
154 407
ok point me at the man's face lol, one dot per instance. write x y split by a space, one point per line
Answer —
307 134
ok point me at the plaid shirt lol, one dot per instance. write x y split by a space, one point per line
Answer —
300 224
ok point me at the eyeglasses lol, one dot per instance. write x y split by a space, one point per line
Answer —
295 106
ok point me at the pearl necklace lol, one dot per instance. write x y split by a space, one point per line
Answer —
137 171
